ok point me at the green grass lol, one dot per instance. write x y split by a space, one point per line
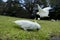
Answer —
10 31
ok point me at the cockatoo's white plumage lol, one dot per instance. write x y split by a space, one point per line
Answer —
43 12
26 24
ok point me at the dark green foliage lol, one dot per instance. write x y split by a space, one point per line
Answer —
13 8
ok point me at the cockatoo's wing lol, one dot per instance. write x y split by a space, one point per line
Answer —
40 9
47 8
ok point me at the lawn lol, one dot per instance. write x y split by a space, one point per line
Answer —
10 31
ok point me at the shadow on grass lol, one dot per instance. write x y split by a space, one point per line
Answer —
18 27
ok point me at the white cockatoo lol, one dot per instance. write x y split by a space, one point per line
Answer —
26 24
43 12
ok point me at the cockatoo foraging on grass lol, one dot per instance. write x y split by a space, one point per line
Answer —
27 25
43 12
